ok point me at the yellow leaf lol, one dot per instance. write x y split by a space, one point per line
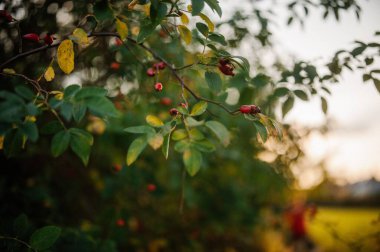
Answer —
80 36
184 19
122 29
135 30
49 74
190 8
154 121
65 55
30 118
156 141
9 71
185 34
1 142
209 23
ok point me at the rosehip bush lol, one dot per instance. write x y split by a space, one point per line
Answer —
88 144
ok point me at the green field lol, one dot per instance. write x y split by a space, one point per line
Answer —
352 228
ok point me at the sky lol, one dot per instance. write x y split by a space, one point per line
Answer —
351 150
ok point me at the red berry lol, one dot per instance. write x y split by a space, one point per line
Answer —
118 42
245 109
117 167
224 61
173 112
166 101
48 39
5 14
158 86
115 65
120 222
151 187
227 69
161 65
32 37
183 105
150 72
255 109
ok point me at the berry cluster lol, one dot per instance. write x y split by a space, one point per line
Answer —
156 66
226 67
250 109
48 38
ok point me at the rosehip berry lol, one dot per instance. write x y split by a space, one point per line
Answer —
120 222
5 14
48 39
151 187
224 61
227 69
117 167
255 109
150 72
166 101
161 65
173 112
32 37
118 42
245 109
115 65
158 86
183 105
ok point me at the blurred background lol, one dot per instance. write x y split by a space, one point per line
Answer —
316 190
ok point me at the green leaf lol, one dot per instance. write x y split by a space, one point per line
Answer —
202 28
45 237
191 122
154 121
80 143
79 111
30 130
181 146
287 106
140 130
89 92
165 145
135 149
216 37
324 105
244 64
101 106
214 5
261 130
70 91
214 81
145 31
196 134
25 92
301 94
158 13
197 6
60 142
204 145
13 141
192 159
358 50
51 127
281 91
199 108
220 131
179 134
122 29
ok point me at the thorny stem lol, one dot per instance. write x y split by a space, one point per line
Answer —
19 241
133 41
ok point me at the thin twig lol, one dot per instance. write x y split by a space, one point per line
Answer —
19 241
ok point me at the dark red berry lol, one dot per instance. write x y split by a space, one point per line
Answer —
224 61
120 222
161 65
118 42
48 39
151 187
255 109
115 65
32 37
117 167
173 112
245 109
150 72
158 86
227 69
5 14
166 101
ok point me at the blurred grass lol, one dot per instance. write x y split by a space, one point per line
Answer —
346 229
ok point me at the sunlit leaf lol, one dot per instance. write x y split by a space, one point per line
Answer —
135 149
324 105
220 131
154 121
185 34
184 19
179 134
192 159
49 74
80 36
156 141
199 108
209 23
65 56
122 29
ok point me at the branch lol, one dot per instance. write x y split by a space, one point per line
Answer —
19 241
133 41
